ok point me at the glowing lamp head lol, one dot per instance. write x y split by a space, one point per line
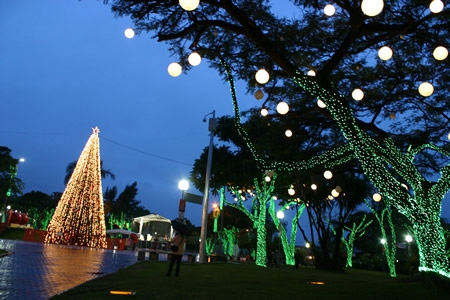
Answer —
383 241
328 174
376 197
129 33
372 8
329 10
426 89
314 187
183 185
259 95
288 133
282 108
311 73
436 6
440 53
291 191
334 193
264 112
408 238
194 59
267 178
189 5
321 104
385 53
262 76
174 69
280 214
357 94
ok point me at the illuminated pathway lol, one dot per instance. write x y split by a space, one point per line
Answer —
39 271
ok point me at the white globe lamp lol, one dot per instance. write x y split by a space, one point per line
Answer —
440 53
357 94
372 8
129 33
189 5
262 76
282 108
174 69
194 59
385 53
426 89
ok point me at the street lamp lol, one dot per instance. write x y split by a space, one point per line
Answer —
212 129
183 185
408 239
12 175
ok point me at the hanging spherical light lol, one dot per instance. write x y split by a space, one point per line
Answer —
280 214
174 69
262 76
440 53
264 112
338 189
334 193
267 178
314 186
328 174
329 10
372 8
385 53
288 133
426 89
189 5
436 6
291 191
358 94
321 104
259 95
448 136
129 33
311 73
282 108
376 197
194 59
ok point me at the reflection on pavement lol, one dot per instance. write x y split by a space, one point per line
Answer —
39 271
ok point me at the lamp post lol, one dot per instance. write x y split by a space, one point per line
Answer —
12 175
183 185
212 129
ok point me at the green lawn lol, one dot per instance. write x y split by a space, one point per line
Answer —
247 281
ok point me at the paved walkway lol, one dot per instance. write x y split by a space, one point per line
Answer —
36 271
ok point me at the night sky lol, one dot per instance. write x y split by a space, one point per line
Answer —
66 67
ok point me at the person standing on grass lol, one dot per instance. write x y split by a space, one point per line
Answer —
177 247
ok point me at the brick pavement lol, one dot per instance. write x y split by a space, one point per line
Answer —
36 271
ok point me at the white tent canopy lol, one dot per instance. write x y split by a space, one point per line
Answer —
152 224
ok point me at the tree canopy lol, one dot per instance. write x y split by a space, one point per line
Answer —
397 135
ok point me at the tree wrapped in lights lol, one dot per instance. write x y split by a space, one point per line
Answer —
354 232
339 49
389 243
79 218
288 244
263 196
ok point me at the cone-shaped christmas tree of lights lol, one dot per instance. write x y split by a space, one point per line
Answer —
79 217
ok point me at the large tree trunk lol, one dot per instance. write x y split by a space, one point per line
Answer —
430 240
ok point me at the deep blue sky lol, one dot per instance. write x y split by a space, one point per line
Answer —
66 67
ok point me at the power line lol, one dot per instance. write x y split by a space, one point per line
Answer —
146 153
